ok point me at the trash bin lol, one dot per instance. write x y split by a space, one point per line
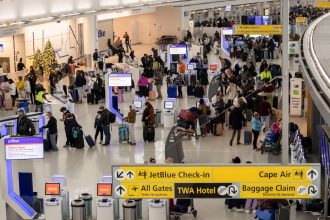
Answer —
35 122
10 128
130 212
88 203
138 208
78 209
158 118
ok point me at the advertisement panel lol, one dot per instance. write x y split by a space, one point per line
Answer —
24 148
296 96
258 29
120 79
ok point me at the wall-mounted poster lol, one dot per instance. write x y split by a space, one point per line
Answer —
5 64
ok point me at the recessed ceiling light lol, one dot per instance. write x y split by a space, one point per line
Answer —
18 23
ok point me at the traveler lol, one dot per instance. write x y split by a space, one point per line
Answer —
33 80
132 55
256 128
131 119
178 81
236 120
27 88
220 108
105 122
271 48
24 124
121 52
148 116
143 84
52 131
20 87
159 83
264 109
263 66
20 65
95 59
266 74
231 92
65 113
5 90
70 125
40 100
98 126
203 116
204 81
13 93
80 82
70 60
127 42
189 35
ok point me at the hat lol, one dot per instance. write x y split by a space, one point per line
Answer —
169 160
21 110
236 160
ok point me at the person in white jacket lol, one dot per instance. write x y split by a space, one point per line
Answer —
27 88
231 92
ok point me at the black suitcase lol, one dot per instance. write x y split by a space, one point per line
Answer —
275 102
199 91
190 90
47 146
79 142
148 134
193 80
244 56
90 98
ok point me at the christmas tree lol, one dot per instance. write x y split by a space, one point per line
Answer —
48 58
37 60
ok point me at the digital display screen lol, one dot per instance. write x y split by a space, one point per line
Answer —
120 79
265 20
168 105
24 148
104 189
138 104
213 67
258 20
228 8
252 20
178 49
227 31
190 67
52 189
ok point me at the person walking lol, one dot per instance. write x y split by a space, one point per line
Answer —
27 88
131 119
52 131
127 42
99 128
256 128
80 82
40 100
264 109
65 112
178 81
159 83
20 87
20 65
202 117
95 59
105 122
236 119
13 93
33 80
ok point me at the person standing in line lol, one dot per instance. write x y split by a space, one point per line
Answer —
127 42
13 93
178 81
204 81
65 112
52 131
236 119
80 82
95 59
105 121
98 127
20 65
159 83
20 87
27 88
203 116
264 109
256 128
131 119
33 80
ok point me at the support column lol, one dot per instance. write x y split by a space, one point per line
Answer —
285 67
90 38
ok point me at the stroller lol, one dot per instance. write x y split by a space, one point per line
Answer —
272 146
186 123
184 206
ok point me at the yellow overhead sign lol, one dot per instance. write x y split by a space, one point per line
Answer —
301 20
217 181
258 29
322 4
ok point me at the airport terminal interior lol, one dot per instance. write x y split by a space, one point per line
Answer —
144 109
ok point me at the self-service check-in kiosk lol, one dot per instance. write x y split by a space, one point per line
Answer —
158 209
53 201
64 194
139 104
170 113
105 206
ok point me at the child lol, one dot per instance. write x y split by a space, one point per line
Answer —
98 127
131 118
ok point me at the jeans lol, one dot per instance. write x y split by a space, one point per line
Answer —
271 54
99 129
80 93
159 91
106 130
265 120
255 138
131 133
238 135
53 141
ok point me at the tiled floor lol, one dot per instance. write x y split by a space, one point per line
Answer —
84 168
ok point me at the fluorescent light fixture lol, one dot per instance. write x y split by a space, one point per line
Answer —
72 14
89 12
42 19
18 23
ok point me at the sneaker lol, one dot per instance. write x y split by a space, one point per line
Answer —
239 209
238 143
247 211
66 146
258 149
105 144
100 142
132 143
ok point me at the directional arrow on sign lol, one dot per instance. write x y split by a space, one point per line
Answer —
130 174
312 174
232 190
120 174
120 190
312 190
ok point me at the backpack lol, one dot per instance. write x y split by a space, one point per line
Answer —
220 105
75 132
112 117
155 66
242 104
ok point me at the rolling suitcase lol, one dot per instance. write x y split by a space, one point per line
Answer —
190 90
172 91
199 92
219 129
47 146
148 134
248 114
90 141
24 104
123 133
90 98
152 95
193 80
79 141
247 137
275 102
8 104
